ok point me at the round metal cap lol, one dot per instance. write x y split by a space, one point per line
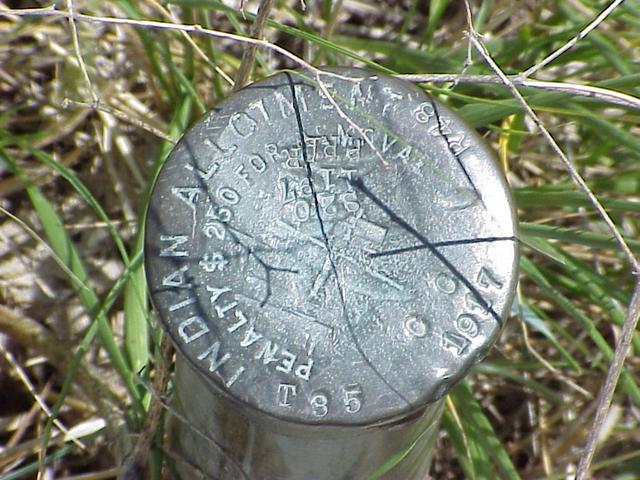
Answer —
331 250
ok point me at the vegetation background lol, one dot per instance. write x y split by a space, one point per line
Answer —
94 93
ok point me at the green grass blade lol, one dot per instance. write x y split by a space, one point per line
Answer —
212 54
457 437
293 31
534 318
588 283
627 381
85 343
136 314
150 47
599 41
399 456
66 252
572 235
511 374
481 437
436 10
541 246
534 197
480 113
85 194
135 297
28 471
240 30
483 13
153 46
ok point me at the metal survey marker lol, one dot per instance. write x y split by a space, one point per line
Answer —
332 250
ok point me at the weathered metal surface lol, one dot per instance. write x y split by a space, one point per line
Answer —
330 257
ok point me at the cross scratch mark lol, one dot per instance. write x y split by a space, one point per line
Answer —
359 184
330 253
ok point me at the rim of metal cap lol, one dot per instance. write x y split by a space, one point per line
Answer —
459 345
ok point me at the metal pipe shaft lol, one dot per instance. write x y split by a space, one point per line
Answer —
240 445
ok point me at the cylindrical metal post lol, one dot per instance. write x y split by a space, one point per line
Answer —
330 253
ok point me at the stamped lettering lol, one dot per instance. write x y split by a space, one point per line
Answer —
424 112
487 279
177 278
455 342
303 370
241 321
192 329
446 283
188 195
286 362
204 173
353 398
182 304
225 151
258 163
250 337
242 124
173 249
267 353
213 261
236 375
473 304
467 324
258 106
286 394
414 326
228 195
215 299
214 230
320 404
211 356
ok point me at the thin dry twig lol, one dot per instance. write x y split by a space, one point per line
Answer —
571 43
189 28
24 378
76 46
34 235
583 90
102 107
548 366
633 314
24 423
193 428
249 53
474 38
48 11
109 404
598 93
605 395
34 335
172 18
13 456
134 465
